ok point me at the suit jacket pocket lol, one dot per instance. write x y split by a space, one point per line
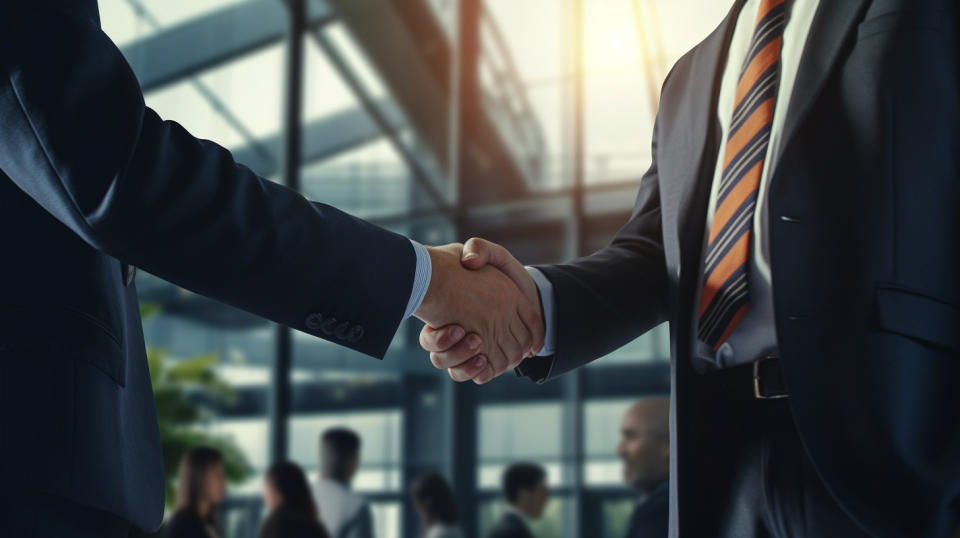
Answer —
902 19
918 316
52 332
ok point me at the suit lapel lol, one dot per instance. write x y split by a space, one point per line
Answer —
832 24
688 192
704 127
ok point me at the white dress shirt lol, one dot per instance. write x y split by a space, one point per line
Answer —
338 506
755 335
439 530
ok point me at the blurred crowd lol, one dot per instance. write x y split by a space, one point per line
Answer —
330 508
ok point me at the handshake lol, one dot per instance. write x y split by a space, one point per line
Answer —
482 311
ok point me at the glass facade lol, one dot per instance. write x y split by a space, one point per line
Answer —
374 144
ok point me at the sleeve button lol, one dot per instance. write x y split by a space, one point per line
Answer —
355 334
314 321
328 326
341 331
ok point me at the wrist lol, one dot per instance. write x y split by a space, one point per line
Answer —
428 306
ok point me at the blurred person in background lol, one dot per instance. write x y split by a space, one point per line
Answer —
344 513
201 487
437 506
644 450
293 514
526 493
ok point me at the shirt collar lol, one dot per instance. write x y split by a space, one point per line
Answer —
513 510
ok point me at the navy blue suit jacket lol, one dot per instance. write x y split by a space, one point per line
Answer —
510 526
92 183
864 231
651 518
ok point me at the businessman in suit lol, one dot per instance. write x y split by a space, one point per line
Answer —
644 450
93 184
526 493
798 228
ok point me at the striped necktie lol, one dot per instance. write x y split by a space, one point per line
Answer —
725 298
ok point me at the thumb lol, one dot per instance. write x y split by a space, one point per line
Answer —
479 252
476 253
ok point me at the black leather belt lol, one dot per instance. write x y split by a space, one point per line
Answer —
768 381
752 381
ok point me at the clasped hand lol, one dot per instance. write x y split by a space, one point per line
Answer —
482 311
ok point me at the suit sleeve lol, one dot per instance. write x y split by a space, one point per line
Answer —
605 300
78 139
364 523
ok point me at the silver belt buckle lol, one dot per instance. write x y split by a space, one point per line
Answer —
757 393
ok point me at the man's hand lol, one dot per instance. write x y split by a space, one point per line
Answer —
452 348
505 324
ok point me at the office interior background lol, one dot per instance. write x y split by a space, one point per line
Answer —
527 122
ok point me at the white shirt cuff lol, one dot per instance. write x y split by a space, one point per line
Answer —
421 279
549 314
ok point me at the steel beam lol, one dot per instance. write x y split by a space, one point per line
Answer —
292 117
209 40
322 138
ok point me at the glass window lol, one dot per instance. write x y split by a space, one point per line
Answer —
512 433
368 181
386 519
534 32
652 346
380 433
601 437
237 105
325 92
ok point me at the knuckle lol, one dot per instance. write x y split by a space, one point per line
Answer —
482 377
423 338
443 338
436 361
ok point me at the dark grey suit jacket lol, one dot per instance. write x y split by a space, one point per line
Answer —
510 526
651 518
92 183
864 231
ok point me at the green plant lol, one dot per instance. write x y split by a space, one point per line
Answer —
179 416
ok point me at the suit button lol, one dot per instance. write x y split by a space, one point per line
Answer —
313 321
341 331
355 334
328 326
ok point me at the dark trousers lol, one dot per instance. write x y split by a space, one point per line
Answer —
28 514
769 487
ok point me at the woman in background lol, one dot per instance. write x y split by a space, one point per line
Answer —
200 490
293 514
434 501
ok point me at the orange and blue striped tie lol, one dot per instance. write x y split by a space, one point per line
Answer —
725 298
